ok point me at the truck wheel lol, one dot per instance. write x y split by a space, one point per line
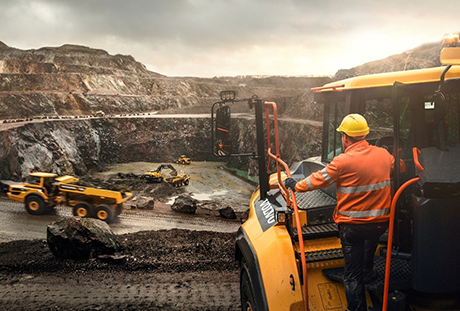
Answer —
35 205
246 290
186 182
105 213
83 209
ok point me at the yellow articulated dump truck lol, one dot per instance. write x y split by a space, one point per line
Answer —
46 190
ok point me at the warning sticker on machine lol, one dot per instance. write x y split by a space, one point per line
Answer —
330 296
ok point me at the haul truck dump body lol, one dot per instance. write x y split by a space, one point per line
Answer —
289 251
46 190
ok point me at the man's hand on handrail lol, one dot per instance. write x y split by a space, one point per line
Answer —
290 183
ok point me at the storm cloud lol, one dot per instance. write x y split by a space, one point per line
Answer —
232 37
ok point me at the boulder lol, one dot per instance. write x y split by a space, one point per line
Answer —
81 238
145 203
184 204
227 212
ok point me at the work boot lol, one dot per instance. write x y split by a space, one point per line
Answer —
369 275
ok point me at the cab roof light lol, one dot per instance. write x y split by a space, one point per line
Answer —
451 40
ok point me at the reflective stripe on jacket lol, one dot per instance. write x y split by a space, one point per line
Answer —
362 177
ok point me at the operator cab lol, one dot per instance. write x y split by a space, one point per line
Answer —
405 110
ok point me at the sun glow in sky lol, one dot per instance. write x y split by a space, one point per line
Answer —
206 38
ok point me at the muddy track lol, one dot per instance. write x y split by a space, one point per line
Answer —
18 225
192 292
159 270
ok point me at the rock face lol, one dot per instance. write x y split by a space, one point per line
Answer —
65 84
184 204
78 80
79 146
81 238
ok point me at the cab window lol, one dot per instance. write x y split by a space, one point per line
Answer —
379 115
34 180
334 141
442 121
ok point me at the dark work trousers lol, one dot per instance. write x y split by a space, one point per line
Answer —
359 242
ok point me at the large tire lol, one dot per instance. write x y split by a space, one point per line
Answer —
246 289
83 209
35 205
105 213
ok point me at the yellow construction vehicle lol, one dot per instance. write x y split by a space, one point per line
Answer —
177 180
289 251
156 175
99 114
46 190
183 160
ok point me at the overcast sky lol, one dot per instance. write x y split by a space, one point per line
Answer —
207 38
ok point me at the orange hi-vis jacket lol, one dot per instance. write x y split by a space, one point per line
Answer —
362 177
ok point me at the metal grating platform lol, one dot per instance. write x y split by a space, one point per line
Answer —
314 199
399 274
327 254
317 231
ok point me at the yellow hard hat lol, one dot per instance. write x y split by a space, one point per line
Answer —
354 125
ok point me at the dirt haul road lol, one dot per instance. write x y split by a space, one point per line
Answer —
183 262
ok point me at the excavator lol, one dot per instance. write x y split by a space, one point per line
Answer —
177 180
289 252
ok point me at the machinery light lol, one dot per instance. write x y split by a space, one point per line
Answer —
451 39
281 217
227 95
450 53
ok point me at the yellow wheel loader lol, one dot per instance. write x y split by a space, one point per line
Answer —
183 160
288 249
46 190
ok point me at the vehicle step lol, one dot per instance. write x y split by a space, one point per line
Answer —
400 274
317 231
325 254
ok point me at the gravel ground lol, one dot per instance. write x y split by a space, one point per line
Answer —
158 270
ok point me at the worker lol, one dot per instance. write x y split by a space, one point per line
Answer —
362 178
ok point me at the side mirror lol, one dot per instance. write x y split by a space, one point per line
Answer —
222 146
